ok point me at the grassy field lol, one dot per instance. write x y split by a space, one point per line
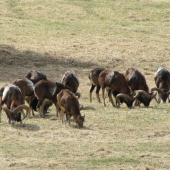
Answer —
60 35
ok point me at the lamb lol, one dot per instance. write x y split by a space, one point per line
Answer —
11 96
68 103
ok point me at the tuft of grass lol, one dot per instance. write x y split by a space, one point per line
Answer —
117 160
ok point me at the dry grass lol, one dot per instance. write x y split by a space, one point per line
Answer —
57 36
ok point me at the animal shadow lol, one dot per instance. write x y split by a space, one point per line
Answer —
27 127
88 108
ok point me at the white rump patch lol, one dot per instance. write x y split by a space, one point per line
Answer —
34 92
7 88
91 80
131 75
30 84
69 73
110 75
159 69
5 92
53 90
16 87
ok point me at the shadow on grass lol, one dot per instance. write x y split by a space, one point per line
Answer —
82 128
12 57
27 127
88 108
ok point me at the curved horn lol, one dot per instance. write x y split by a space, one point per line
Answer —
168 92
20 108
157 89
141 92
127 97
80 106
6 110
154 95
77 94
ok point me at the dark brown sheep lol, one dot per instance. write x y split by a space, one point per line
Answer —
68 103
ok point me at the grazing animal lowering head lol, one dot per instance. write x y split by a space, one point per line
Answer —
140 95
14 114
80 120
162 81
12 97
69 103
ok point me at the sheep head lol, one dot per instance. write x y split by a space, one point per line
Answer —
14 114
164 94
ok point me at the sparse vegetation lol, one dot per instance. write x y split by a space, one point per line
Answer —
60 35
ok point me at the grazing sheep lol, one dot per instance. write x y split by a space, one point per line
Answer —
162 81
46 91
12 97
136 81
68 103
116 84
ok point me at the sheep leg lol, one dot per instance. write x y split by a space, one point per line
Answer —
110 98
62 116
168 99
91 91
42 111
40 102
38 109
159 99
32 111
97 94
118 103
62 113
0 113
68 119
57 110
103 96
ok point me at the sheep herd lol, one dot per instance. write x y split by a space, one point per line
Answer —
40 93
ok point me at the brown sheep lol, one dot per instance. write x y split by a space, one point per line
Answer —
162 81
68 103
12 97
71 82
136 81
